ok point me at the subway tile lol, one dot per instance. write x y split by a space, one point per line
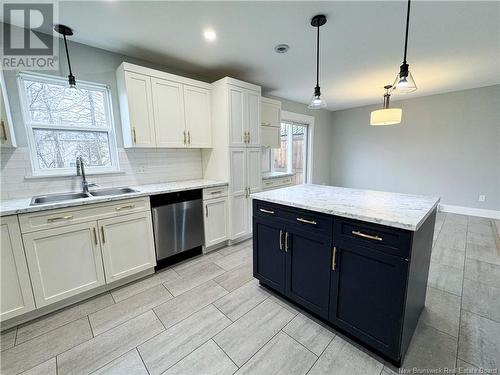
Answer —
102 349
40 349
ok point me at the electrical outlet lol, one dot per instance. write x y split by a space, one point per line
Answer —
482 198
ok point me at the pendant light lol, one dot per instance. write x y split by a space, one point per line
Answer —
404 82
317 101
386 116
66 31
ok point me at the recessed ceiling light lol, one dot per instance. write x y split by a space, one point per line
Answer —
282 48
210 35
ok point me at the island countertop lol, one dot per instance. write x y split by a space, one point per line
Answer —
403 211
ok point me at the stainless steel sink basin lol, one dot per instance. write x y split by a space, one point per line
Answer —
112 191
52 198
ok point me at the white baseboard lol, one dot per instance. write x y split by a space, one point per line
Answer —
492 214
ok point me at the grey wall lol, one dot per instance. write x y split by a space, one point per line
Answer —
447 145
322 138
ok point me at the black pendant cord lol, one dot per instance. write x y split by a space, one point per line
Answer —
67 55
407 27
317 58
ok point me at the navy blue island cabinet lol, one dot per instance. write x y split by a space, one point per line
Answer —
368 281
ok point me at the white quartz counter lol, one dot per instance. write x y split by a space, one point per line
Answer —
17 206
391 209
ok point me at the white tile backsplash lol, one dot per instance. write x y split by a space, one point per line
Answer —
137 166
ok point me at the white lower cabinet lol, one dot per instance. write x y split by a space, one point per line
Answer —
239 216
15 287
127 245
215 221
64 262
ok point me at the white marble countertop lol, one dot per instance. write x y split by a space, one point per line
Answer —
391 209
270 175
17 206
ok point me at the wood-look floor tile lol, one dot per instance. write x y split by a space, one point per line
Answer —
309 333
179 308
448 256
166 349
481 239
483 272
228 250
208 359
45 368
192 277
442 311
127 309
239 258
187 267
481 299
241 300
49 322
129 363
451 240
102 349
235 278
135 287
341 357
282 355
8 338
446 278
488 254
247 335
40 349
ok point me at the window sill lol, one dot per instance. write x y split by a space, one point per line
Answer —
68 174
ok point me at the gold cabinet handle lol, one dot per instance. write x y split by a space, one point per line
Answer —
268 183
58 218
281 239
102 235
266 211
306 221
189 137
286 242
134 136
206 210
128 206
95 235
4 131
248 137
216 192
185 137
334 255
368 236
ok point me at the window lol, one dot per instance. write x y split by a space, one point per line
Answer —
292 156
64 123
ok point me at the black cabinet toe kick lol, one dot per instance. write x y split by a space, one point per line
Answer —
367 281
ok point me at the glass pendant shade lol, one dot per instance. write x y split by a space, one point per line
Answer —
404 83
387 116
317 102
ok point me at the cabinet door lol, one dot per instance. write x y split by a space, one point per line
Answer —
7 138
168 105
270 136
127 245
308 267
238 216
237 117
140 105
15 287
367 295
253 165
215 221
238 172
63 262
270 114
198 122
269 253
253 118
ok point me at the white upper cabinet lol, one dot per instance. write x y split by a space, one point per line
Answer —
168 104
253 116
15 285
7 137
244 115
270 112
159 109
198 124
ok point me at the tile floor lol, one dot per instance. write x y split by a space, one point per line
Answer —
209 316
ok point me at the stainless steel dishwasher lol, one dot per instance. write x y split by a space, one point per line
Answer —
177 225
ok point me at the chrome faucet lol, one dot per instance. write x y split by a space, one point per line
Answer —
80 171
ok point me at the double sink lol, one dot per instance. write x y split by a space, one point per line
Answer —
61 197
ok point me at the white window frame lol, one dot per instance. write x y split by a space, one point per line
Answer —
31 125
300 119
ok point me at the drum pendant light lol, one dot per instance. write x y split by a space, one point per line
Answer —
66 31
317 101
404 82
386 116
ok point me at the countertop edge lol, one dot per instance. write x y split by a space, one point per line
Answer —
109 198
272 177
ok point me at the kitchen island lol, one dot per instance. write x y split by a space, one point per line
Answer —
357 259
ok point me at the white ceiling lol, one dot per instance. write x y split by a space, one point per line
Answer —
452 45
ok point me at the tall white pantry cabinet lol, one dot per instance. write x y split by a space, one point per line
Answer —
236 149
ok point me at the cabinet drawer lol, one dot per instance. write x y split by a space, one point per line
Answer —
57 218
380 237
275 183
215 192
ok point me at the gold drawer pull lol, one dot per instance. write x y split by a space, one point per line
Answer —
128 206
286 242
269 183
134 136
266 211
306 221
334 255
281 239
216 192
52 219
364 235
